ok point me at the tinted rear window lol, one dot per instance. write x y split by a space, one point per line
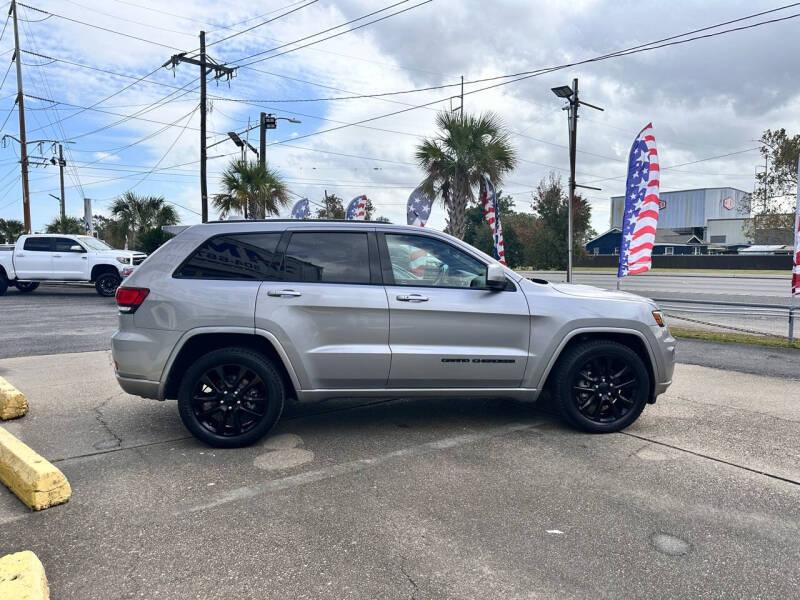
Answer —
41 244
247 256
328 257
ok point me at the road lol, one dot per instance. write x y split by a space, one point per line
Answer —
765 289
472 498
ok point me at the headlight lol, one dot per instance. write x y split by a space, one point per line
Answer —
658 317
124 260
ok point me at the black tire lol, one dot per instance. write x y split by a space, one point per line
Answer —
106 284
231 397
26 286
3 284
601 386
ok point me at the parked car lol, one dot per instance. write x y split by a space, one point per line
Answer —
235 319
64 258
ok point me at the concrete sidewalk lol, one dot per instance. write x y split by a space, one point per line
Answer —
423 498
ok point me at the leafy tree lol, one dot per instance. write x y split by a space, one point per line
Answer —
108 230
137 214
10 230
68 225
772 203
332 207
466 147
149 241
548 249
253 189
479 234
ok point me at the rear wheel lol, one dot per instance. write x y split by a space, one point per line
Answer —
231 397
3 283
601 386
26 286
107 284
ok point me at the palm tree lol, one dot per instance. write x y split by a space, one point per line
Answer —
466 148
254 190
69 225
137 214
10 230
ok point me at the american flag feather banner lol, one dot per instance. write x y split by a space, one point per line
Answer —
301 209
357 209
640 219
418 208
492 212
796 264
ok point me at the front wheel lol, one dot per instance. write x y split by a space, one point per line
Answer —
231 397
107 284
601 386
26 286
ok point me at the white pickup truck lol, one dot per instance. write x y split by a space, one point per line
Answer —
65 258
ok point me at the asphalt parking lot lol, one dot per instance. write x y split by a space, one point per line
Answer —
463 498
422 498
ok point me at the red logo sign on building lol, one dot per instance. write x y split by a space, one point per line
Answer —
728 203
662 204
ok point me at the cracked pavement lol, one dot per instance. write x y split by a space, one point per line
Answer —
469 498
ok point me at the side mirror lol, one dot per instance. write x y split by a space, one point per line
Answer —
76 248
495 277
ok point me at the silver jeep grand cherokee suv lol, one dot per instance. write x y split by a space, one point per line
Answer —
234 319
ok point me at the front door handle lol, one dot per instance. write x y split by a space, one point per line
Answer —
56 256
412 298
283 293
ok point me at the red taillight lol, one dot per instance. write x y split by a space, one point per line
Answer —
130 298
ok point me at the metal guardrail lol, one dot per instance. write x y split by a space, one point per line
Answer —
722 308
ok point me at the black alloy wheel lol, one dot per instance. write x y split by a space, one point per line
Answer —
602 386
603 389
231 397
107 284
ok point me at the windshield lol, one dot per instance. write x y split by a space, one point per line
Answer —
94 243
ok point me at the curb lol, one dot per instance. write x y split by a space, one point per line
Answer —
13 403
33 479
22 577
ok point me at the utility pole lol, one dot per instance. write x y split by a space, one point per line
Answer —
61 164
207 65
23 144
262 139
571 95
461 107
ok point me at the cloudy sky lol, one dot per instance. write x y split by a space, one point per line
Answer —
706 98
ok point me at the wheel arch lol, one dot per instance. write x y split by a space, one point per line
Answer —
631 338
98 270
201 342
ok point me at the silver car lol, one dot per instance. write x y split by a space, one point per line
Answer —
235 319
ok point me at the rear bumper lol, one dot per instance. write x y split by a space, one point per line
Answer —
140 387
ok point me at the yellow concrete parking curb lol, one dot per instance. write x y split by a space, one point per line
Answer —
12 402
32 478
22 577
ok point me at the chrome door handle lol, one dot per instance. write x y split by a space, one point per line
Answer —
85 257
412 298
283 293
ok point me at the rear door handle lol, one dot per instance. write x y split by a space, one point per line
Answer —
283 293
412 298
56 256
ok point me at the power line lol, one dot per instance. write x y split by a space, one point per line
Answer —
106 29
624 52
331 36
233 35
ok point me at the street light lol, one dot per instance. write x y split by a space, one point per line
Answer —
562 91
